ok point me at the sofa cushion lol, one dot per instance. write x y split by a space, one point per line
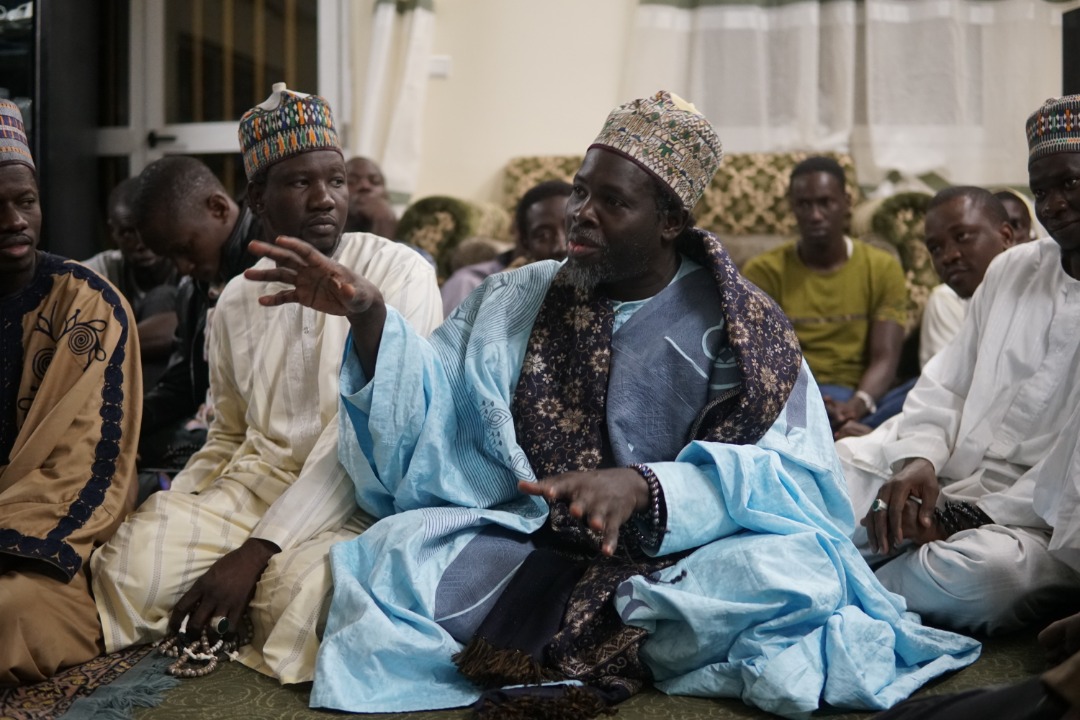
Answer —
748 195
439 223
897 221
524 173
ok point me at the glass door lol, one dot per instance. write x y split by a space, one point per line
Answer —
197 65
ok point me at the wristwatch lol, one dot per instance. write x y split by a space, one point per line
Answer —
868 401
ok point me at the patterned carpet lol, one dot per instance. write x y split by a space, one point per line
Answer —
71 689
236 693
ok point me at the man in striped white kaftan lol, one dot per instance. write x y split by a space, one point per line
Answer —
247 525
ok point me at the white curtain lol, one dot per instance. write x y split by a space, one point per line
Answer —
390 58
915 86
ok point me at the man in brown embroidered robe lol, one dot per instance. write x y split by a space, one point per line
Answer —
69 424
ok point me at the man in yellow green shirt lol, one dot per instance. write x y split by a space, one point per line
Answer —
846 299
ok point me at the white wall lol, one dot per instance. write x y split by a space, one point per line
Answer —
527 78
538 77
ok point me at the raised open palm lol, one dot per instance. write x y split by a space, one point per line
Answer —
318 281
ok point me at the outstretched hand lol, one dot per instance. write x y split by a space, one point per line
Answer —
605 499
909 498
319 282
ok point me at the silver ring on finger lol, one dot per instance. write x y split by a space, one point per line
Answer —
878 505
219 624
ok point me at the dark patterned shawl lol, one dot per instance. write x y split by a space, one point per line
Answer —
559 415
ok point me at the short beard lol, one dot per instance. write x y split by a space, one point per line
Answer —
606 270
585 277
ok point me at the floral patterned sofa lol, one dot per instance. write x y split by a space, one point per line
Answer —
746 206
440 224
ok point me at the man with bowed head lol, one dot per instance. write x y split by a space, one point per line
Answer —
182 212
247 525
147 280
605 473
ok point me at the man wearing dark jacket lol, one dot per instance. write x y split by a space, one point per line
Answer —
185 214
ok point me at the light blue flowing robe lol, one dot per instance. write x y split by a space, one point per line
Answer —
775 605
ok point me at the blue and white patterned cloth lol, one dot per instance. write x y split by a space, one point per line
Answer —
775 605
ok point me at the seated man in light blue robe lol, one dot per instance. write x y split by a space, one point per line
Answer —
600 475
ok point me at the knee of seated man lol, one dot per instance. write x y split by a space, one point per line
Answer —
974 578
289 575
36 607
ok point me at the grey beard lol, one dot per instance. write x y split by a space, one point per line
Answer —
585 277
609 269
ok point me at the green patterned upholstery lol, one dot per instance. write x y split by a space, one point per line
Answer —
746 205
524 173
438 223
748 195
898 222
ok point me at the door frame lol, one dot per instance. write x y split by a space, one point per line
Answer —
147 88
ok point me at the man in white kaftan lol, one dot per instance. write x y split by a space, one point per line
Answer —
991 426
966 228
269 471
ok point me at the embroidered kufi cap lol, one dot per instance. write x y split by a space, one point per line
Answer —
286 124
13 144
669 138
1054 128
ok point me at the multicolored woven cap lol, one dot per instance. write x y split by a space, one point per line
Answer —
286 124
669 138
13 145
1054 128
